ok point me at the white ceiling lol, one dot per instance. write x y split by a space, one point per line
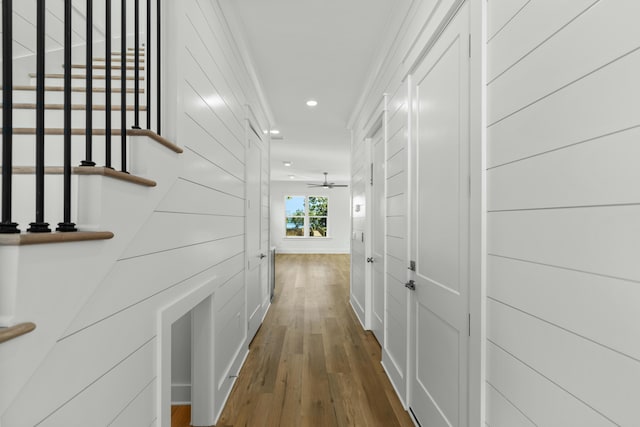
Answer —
322 50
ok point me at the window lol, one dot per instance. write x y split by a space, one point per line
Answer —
306 216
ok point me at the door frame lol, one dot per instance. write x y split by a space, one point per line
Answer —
252 126
376 121
476 410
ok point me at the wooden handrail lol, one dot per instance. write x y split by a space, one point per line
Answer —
15 331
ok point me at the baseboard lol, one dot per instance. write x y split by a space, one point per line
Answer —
393 383
311 251
355 311
238 366
181 394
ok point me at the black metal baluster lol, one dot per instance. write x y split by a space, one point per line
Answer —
136 82
39 225
67 225
88 161
147 64
7 226
107 88
158 78
123 86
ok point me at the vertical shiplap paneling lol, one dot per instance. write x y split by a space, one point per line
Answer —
563 280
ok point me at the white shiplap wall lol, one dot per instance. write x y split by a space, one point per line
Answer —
563 277
104 368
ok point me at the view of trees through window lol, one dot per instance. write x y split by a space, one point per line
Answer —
306 216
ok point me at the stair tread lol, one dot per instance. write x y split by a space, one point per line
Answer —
28 106
127 54
87 170
73 89
104 67
100 132
82 76
11 332
54 237
117 60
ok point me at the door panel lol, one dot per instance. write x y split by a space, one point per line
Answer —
256 267
440 221
378 233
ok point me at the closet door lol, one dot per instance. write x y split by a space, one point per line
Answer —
440 227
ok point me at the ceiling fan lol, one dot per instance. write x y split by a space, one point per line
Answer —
327 184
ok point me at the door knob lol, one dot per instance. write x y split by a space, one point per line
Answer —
411 285
262 256
370 259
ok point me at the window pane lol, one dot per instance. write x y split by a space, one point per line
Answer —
317 227
294 206
295 226
318 206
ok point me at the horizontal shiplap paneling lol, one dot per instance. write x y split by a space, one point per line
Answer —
563 233
500 12
128 377
136 279
603 171
501 412
568 360
602 240
539 20
584 46
205 172
141 411
190 197
397 227
571 116
545 292
538 398
167 231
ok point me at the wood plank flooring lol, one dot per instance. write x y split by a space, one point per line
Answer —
311 363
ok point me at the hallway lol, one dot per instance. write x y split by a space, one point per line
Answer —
311 363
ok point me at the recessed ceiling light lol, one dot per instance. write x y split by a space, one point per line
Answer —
292 176
312 103
275 132
286 163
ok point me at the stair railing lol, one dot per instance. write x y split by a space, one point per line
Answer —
39 225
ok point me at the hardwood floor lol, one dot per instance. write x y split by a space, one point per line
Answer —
311 363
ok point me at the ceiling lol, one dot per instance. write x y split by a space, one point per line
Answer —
322 50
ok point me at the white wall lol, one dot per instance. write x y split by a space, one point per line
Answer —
103 370
339 220
563 245
181 360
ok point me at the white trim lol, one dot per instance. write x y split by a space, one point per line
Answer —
400 396
478 212
341 251
179 393
166 317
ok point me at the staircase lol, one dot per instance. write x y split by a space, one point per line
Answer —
45 275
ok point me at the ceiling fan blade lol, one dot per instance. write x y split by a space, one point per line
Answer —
339 185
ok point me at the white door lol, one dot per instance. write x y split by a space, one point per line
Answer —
440 225
378 233
255 253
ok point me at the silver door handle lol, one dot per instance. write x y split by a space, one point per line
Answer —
411 285
370 259
262 256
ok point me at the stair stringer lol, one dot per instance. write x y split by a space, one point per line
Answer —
53 282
